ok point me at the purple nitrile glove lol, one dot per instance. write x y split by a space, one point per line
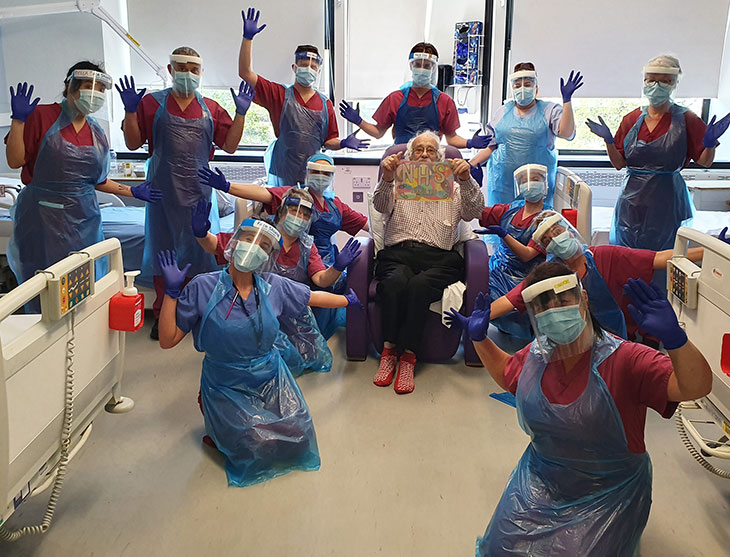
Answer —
349 113
200 220
244 97
654 314
477 324
174 278
349 253
130 97
352 299
477 173
601 130
478 141
721 236
494 229
145 192
20 105
569 87
714 131
215 180
352 142
454 319
251 24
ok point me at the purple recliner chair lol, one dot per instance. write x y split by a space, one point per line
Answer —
440 343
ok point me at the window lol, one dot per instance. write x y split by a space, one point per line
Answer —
258 130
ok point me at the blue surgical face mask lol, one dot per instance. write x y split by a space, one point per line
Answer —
524 95
562 325
294 226
318 182
185 82
658 93
89 101
421 77
248 257
532 191
564 246
306 76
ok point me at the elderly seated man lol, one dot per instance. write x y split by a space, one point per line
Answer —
418 260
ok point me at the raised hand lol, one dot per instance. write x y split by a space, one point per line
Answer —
654 314
244 97
130 97
174 278
352 142
215 180
349 253
251 23
567 88
601 130
714 131
200 221
20 104
349 113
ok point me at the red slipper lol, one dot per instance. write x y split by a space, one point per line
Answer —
404 382
386 369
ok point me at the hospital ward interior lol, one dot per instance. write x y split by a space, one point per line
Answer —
363 277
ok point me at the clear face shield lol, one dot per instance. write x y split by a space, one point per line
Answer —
523 85
558 237
253 244
295 216
87 90
531 182
307 66
186 73
659 83
424 68
320 176
558 311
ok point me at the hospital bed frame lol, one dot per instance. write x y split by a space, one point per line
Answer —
571 192
46 363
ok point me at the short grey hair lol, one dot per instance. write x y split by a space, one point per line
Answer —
432 135
186 50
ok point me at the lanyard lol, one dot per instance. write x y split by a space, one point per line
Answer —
260 329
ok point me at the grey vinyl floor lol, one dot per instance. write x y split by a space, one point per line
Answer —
401 475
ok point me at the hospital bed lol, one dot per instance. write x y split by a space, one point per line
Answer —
58 370
571 192
701 299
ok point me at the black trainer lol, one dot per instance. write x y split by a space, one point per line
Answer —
154 334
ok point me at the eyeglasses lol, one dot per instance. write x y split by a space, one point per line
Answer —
430 151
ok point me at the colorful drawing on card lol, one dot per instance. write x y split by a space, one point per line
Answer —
424 181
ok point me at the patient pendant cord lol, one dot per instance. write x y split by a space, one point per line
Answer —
693 451
14 535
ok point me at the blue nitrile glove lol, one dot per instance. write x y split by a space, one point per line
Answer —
174 278
349 113
251 23
20 105
654 314
352 299
200 222
145 192
477 173
477 323
243 100
721 236
494 229
569 87
455 320
601 130
715 130
349 253
478 141
215 180
352 142
130 97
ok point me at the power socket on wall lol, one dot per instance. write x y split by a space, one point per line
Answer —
361 182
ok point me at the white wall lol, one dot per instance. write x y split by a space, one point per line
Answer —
721 105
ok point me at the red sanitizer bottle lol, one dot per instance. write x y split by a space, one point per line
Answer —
126 308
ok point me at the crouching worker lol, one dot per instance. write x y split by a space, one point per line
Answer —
254 411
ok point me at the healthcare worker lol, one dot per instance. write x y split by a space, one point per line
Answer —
517 253
254 412
330 215
655 143
64 154
303 118
417 106
524 131
583 485
603 271
297 260
181 128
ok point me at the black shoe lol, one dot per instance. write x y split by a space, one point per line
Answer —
154 334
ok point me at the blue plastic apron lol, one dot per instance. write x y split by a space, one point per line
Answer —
302 133
654 201
520 141
302 331
180 147
58 212
506 271
254 410
411 120
577 489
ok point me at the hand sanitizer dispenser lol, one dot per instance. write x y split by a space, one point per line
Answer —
126 308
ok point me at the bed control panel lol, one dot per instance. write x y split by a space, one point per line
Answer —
682 281
69 290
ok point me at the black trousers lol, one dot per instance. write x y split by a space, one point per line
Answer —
411 277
